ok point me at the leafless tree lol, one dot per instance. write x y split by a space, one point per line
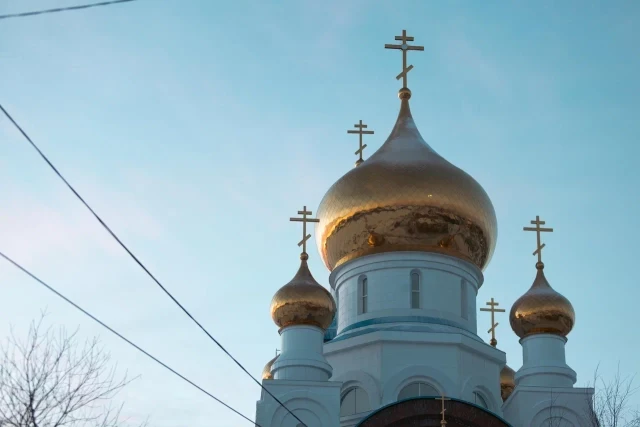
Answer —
50 379
609 406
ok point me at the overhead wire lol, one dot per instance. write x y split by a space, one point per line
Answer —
63 9
117 239
116 333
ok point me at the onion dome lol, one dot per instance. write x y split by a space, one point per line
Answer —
303 301
406 197
542 310
507 382
266 371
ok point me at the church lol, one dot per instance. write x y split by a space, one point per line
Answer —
406 236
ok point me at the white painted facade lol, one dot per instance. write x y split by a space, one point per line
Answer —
300 382
391 345
548 407
385 338
544 393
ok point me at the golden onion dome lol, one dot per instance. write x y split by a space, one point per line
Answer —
303 301
406 197
266 371
542 310
507 382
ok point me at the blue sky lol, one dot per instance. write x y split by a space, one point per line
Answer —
197 128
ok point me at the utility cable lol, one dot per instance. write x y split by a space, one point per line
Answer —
113 331
106 227
63 9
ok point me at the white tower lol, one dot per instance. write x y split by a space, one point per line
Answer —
544 394
406 235
300 393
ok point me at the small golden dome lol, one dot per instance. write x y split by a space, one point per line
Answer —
507 382
411 199
542 310
266 371
303 301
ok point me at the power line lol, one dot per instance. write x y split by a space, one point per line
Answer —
63 9
117 239
101 323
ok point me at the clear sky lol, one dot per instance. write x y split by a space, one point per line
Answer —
197 128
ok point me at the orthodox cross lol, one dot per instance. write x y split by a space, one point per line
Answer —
360 126
304 220
443 422
538 230
493 310
404 47
277 352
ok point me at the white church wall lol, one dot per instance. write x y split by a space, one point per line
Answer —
487 387
361 379
535 406
365 381
443 382
315 403
448 289
384 362
480 373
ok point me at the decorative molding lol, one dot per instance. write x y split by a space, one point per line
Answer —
363 380
415 373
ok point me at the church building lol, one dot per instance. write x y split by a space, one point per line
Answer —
406 236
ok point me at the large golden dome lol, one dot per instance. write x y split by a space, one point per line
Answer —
406 197
303 301
507 382
542 310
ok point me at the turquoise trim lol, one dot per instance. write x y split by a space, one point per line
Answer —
330 334
352 330
355 334
431 397
403 319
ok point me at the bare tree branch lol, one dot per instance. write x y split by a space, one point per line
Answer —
50 379
609 406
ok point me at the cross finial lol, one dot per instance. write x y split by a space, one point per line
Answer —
493 310
304 220
443 422
277 352
360 126
538 230
404 47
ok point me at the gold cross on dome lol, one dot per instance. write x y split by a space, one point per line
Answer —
304 220
538 230
404 47
443 422
360 126
493 310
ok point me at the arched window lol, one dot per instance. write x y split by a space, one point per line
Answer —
363 295
415 289
479 400
354 401
417 389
